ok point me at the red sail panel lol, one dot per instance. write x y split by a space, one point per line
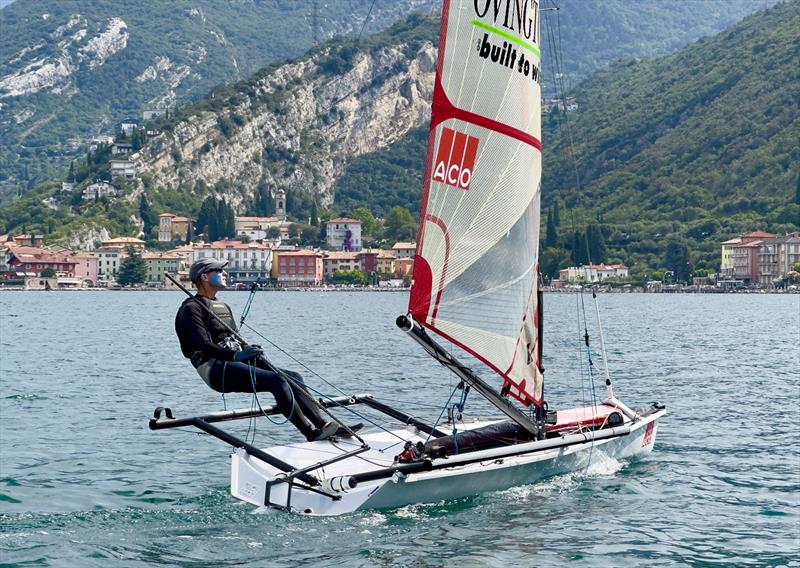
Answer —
475 274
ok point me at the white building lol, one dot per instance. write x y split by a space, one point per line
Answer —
257 228
108 263
344 234
246 261
592 273
405 250
99 190
122 168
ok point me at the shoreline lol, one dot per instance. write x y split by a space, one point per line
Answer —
687 290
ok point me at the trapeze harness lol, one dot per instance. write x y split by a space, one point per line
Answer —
219 343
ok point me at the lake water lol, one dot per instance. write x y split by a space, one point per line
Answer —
84 482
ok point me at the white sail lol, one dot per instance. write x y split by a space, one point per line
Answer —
476 266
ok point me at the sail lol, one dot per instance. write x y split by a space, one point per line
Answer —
476 266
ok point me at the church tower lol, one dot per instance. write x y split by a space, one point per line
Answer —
280 203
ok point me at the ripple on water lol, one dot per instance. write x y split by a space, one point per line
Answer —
88 482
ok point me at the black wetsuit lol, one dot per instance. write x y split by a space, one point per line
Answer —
203 341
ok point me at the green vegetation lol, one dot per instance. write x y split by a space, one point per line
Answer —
215 42
132 269
358 277
690 149
198 46
216 219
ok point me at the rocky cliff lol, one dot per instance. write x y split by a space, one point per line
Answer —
299 125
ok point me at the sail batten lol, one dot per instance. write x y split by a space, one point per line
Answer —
476 269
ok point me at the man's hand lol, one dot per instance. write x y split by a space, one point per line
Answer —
249 352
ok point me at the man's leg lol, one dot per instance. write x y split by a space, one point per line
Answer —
231 376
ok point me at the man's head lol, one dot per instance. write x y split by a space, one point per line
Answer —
208 272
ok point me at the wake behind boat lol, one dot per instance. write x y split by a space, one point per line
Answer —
476 286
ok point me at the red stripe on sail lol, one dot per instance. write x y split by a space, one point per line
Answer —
443 109
481 358
443 227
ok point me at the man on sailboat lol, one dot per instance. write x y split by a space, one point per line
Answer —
227 366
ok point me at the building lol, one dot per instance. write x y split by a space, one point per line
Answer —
339 261
159 263
125 242
85 267
344 234
258 228
368 258
174 228
28 240
121 148
592 273
99 190
403 267
29 262
122 168
385 262
247 262
404 250
109 260
777 257
128 126
726 264
298 268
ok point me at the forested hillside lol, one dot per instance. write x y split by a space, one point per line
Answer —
686 150
71 70
691 148
671 155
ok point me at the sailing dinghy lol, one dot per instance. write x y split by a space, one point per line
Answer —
476 286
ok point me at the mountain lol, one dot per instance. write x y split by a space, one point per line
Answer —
72 70
694 147
688 148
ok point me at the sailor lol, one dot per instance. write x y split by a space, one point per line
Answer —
227 366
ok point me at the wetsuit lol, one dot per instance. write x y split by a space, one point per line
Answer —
211 349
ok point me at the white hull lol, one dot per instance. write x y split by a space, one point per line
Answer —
452 477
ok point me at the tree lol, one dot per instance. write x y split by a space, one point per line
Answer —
207 211
552 260
146 214
556 213
596 243
370 228
48 272
132 270
263 205
551 237
309 235
350 277
273 232
677 259
400 225
314 214
578 248
797 192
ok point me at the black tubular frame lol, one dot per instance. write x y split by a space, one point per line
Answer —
204 424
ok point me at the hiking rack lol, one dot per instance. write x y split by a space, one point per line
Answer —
204 424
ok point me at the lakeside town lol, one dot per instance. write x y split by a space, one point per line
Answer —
262 253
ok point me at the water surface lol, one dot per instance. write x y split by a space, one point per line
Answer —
83 480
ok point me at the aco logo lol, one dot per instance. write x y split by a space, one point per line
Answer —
455 158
